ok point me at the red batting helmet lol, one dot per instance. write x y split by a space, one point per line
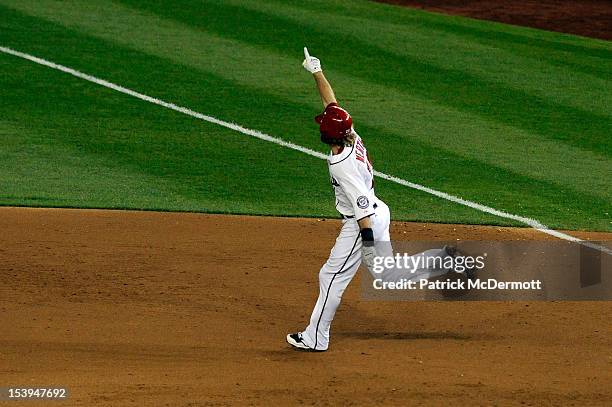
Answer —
335 124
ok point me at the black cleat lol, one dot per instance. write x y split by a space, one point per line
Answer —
297 342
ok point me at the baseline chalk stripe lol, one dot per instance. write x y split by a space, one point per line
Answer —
254 133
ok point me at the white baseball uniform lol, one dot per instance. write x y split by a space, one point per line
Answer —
352 179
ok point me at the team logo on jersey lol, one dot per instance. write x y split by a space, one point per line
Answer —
363 202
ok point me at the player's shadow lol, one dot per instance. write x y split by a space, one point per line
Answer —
405 336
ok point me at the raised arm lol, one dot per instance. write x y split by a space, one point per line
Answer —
313 65
325 90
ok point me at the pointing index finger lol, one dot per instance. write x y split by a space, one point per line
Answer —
306 54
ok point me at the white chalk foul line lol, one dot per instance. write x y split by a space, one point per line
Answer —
254 133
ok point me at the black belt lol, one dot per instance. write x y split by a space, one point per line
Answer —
352 216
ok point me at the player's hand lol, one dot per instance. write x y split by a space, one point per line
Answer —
368 253
311 64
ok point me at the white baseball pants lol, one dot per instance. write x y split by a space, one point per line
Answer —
341 267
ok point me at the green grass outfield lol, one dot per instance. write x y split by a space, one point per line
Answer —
513 118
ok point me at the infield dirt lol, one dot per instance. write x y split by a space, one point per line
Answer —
145 308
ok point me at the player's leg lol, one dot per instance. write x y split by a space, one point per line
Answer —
380 222
334 277
380 225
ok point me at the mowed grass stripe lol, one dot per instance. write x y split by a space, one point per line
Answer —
587 55
453 52
111 59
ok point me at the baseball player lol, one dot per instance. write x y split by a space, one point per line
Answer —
365 217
